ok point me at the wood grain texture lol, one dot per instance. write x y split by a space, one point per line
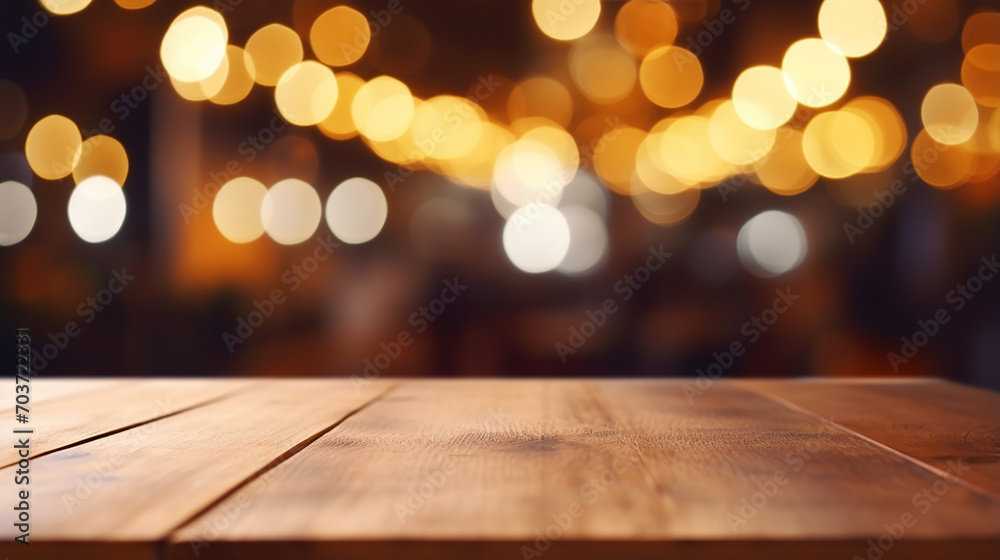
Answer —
60 422
937 423
606 468
137 485
503 469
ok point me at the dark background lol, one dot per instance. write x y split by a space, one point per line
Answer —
191 285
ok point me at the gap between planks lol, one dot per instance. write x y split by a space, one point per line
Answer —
937 471
162 546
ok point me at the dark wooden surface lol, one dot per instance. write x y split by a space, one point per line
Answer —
158 469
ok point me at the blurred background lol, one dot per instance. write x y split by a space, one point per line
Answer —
493 188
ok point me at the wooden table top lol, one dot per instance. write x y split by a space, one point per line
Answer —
507 469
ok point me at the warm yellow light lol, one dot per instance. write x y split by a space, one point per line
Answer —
615 163
562 145
237 209
527 173
306 93
339 125
981 73
838 144
602 70
949 113
565 20
204 89
340 36
734 140
194 45
671 76
981 29
941 165
274 49
447 127
761 98
664 209
65 7
53 147
383 108
540 96
642 25
101 155
134 4
888 129
239 78
687 153
853 27
785 170
815 74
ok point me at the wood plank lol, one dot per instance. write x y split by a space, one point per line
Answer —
49 388
721 447
499 459
61 422
933 421
494 486
133 490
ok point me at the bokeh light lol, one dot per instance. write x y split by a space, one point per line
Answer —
194 45
838 144
949 113
356 210
64 7
383 108
671 76
734 140
853 27
97 209
53 146
615 157
981 29
761 98
815 74
602 70
101 155
274 49
588 240
642 25
564 20
785 170
339 124
941 164
239 77
687 154
528 172
771 243
306 93
291 211
664 209
18 211
447 127
981 73
540 96
236 209
15 109
134 4
340 36
536 238
887 127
